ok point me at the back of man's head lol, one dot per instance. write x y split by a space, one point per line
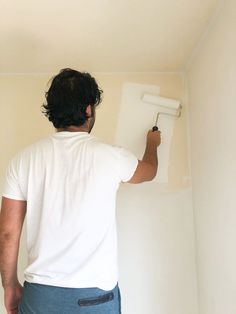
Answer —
69 95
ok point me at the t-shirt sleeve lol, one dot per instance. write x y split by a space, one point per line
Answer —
127 164
11 186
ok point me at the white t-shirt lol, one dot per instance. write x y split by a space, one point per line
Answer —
69 181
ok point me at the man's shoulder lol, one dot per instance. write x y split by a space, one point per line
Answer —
29 149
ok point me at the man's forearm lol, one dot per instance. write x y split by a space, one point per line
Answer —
150 154
12 216
9 249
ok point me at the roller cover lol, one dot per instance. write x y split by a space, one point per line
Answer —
161 101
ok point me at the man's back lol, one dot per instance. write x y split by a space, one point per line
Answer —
70 180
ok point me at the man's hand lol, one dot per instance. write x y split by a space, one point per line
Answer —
12 295
154 138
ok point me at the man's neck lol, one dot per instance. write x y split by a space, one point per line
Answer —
73 128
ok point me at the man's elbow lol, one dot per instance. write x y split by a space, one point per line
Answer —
152 174
144 172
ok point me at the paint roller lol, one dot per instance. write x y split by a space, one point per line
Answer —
172 106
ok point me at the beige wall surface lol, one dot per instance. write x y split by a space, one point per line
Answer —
212 84
155 221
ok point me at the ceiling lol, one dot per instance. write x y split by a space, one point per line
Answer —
100 35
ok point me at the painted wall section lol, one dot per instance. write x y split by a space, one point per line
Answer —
212 86
155 221
138 115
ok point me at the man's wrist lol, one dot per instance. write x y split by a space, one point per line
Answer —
151 145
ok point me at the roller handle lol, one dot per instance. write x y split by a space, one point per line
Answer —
155 128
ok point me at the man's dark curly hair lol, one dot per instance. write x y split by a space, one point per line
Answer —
69 95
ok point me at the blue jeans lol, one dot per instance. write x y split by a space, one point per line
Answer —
45 299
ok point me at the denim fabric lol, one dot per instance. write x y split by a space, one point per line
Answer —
45 299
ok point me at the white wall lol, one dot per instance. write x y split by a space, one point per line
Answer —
155 222
212 86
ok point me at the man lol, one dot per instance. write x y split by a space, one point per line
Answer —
67 184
